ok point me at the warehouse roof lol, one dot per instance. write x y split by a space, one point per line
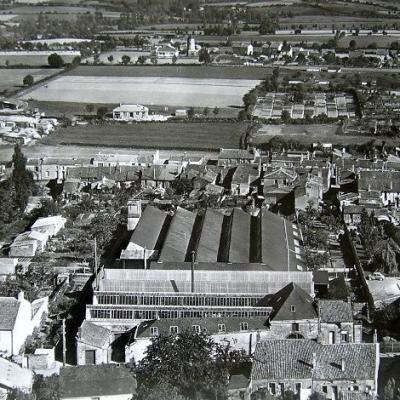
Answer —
239 249
149 227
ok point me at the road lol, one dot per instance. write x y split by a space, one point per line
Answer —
88 152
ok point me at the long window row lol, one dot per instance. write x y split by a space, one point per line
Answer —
174 300
104 313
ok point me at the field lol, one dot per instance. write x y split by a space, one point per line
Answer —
31 59
144 90
11 79
169 71
179 135
308 134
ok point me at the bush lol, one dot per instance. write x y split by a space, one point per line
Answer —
28 80
55 61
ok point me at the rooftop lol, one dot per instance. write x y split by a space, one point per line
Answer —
93 334
335 311
96 380
9 307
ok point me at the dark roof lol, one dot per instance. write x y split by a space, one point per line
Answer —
120 173
209 325
93 334
149 228
321 277
165 172
207 249
96 380
379 180
335 311
179 233
235 154
9 307
277 235
239 249
245 174
293 359
291 295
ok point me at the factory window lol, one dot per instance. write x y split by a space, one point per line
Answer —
295 327
221 328
272 388
292 308
196 328
244 326
154 331
173 330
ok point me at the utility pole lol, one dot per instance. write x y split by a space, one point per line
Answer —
192 271
95 259
64 344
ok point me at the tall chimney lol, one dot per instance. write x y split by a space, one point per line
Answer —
343 364
314 360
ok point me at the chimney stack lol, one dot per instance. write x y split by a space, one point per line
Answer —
343 364
314 360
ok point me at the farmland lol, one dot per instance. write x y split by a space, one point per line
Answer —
32 58
179 135
178 71
144 90
11 79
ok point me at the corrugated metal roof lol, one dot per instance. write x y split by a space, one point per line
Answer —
207 250
178 236
239 249
149 228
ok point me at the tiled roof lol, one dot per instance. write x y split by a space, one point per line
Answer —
379 180
235 154
293 359
96 380
93 334
9 307
333 311
246 173
121 173
291 303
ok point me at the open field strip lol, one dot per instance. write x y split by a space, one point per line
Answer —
144 90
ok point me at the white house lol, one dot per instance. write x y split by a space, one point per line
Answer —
165 51
18 319
12 376
130 112
250 49
27 244
49 226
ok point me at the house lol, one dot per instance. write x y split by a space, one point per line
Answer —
12 376
27 244
49 226
93 344
130 112
234 157
165 51
43 362
7 267
244 179
102 382
304 367
337 323
18 319
160 176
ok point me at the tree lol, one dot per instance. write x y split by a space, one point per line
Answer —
55 61
22 179
76 61
125 59
268 25
193 364
28 80
174 59
204 56
352 44
48 208
101 112
216 111
206 111
89 108
141 60
190 112
285 116
46 388
110 58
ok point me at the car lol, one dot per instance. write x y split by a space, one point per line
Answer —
376 276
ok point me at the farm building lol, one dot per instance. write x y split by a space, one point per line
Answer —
130 112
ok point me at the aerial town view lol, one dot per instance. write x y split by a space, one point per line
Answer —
200 199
